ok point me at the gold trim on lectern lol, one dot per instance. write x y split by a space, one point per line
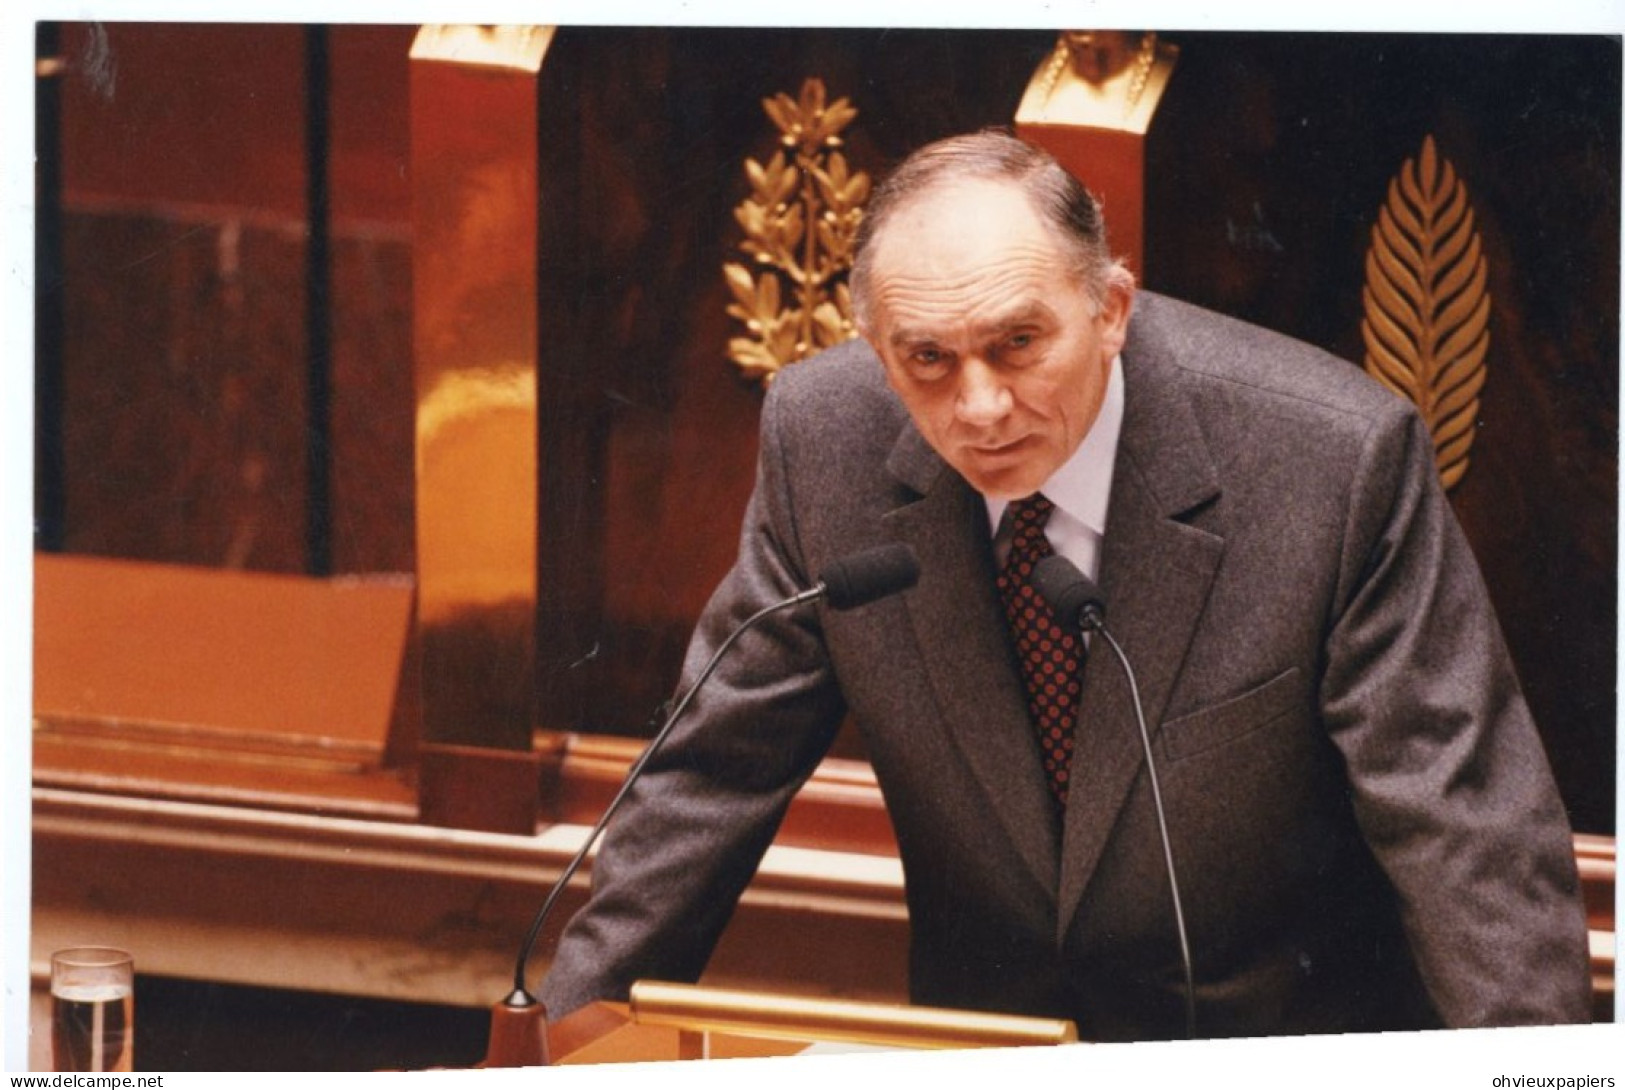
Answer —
691 1008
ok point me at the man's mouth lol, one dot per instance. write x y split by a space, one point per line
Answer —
997 450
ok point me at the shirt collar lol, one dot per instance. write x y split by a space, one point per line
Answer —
1082 485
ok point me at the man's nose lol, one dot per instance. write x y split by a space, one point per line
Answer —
983 396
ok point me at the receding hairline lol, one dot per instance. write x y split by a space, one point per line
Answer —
1056 198
975 190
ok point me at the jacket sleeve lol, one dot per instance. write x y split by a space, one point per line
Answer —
691 833
1451 785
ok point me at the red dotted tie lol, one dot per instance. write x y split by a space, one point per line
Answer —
1051 658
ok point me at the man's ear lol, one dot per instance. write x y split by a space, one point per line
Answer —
1115 310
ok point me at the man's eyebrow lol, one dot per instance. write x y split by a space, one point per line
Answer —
906 338
1027 314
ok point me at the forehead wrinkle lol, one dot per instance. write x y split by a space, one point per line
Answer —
941 264
987 300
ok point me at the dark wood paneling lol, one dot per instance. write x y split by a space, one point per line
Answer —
49 472
183 167
185 171
369 126
370 198
166 114
183 380
372 402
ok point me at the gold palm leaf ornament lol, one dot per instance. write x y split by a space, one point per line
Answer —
800 222
1426 325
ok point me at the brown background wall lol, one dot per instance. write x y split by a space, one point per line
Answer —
189 381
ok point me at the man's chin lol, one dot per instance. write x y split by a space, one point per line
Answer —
1004 486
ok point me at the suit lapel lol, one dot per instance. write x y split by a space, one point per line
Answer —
1156 571
959 627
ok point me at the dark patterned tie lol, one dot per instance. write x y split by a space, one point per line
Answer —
1051 658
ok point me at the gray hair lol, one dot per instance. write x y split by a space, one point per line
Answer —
991 155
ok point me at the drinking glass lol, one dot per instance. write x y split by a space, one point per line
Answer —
92 1009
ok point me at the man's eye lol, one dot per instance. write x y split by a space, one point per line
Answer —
1019 341
929 358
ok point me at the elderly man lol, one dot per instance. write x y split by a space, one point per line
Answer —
1365 828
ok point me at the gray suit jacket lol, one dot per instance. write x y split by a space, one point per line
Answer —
1365 826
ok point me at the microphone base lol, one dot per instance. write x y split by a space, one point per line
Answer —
518 1033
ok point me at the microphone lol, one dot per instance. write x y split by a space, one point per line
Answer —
1071 595
519 1021
1074 599
863 577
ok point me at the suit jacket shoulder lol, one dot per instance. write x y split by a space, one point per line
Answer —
1216 357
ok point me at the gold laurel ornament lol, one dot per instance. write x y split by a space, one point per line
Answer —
1426 325
800 223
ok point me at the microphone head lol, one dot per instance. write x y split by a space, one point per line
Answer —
863 577
1070 594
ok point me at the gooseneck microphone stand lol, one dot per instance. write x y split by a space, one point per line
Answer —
1075 600
519 1021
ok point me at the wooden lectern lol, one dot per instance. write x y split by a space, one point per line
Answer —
686 1022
